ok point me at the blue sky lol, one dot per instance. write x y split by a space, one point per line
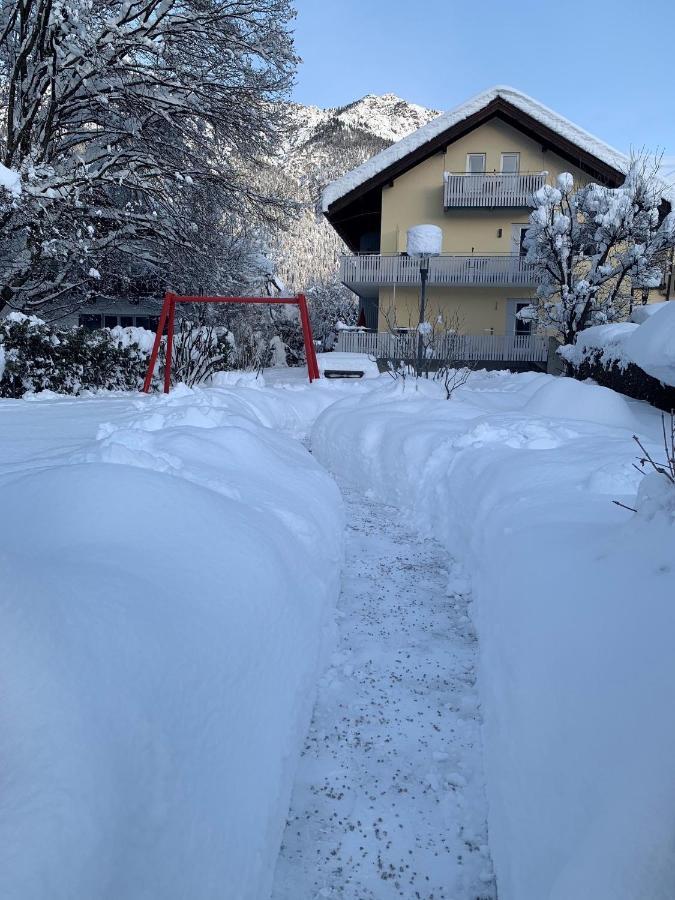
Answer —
609 66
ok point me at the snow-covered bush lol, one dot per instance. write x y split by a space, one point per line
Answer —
656 494
664 468
39 357
591 245
261 335
330 305
199 351
628 379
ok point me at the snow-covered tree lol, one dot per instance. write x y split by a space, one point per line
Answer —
330 303
134 127
591 246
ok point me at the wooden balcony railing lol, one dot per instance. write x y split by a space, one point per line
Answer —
492 189
370 270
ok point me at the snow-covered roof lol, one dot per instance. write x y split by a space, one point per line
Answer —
537 111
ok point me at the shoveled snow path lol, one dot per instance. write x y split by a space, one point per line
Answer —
389 798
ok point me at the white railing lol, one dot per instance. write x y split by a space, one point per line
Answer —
459 347
457 271
492 189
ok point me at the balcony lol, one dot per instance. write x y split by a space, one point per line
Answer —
367 273
491 190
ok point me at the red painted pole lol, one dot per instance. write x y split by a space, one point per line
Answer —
310 352
147 384
169 345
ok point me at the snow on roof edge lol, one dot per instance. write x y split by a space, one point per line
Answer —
562 126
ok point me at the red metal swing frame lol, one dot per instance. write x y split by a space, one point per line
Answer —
167 317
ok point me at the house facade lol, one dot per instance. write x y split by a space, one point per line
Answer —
471 172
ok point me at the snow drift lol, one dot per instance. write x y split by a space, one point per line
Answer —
574 607
166 597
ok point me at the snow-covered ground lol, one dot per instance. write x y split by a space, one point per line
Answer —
169 566
168 569
389 800
573 601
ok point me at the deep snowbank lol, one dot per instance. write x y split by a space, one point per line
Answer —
166 596
574 605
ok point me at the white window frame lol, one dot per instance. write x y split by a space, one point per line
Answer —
511 310
468 163
501 162
516 230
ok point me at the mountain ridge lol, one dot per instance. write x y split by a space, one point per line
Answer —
323 145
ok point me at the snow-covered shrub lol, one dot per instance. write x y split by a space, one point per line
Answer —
636 359
331 305
264 335
664 468
199 351
39 357
253 350
626 378
656 494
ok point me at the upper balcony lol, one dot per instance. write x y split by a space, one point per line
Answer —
491 190
366 273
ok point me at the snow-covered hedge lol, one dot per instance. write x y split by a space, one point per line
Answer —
648 342
574 608
636 358
35 356
166 594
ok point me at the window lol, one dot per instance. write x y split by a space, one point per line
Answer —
126 321
517 239
510 163
110 321
475 163
523 326
149 322
91 322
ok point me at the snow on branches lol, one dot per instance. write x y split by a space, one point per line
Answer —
593 245
131 128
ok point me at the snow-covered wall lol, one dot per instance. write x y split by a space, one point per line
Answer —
166 595
574 606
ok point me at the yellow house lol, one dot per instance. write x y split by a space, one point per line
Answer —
471 172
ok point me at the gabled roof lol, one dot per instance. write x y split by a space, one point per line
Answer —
564 137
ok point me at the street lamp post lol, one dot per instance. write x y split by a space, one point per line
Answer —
424 274
424 241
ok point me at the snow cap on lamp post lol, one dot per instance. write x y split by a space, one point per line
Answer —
425 240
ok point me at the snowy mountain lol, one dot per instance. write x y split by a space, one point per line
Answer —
325 144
